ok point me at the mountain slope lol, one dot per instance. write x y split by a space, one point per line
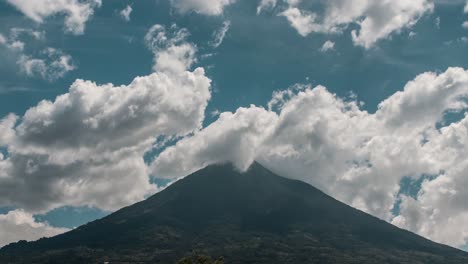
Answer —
251 217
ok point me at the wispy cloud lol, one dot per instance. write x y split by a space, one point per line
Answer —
220 34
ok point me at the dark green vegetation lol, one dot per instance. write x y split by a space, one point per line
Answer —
200 259
254 217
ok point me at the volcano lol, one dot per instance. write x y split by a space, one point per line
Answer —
250 217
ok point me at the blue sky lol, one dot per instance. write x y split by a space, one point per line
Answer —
259 54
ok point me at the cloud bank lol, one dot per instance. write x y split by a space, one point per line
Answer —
358 157
86 147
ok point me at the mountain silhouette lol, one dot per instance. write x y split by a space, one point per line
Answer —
250 217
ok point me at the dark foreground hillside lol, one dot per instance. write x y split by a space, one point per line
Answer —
253 217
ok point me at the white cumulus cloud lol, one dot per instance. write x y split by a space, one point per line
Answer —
7 132
53 65
19 225
375 19
172 52
204 7
76 12
303 21
327 46
86 147
266 5
233 137
125 13
49 64
358 157
440 210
